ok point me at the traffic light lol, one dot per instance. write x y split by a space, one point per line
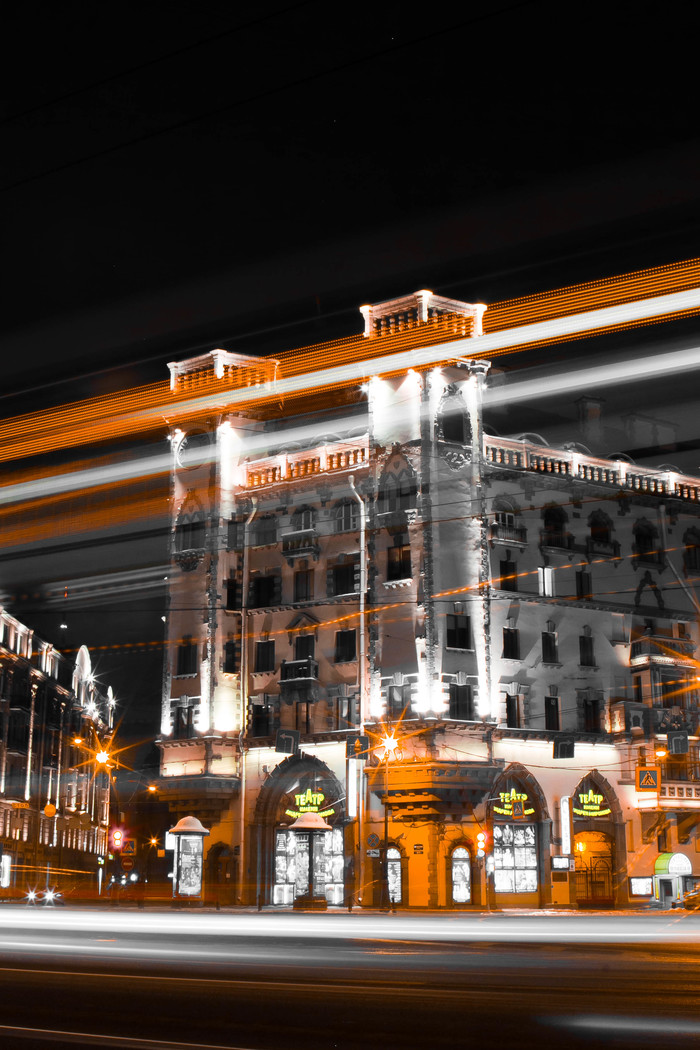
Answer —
117 838
481 844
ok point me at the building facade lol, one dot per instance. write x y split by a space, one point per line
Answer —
473 657
54 794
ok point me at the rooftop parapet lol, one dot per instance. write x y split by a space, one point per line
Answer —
238 370
411 311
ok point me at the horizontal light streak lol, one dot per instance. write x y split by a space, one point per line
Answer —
154 406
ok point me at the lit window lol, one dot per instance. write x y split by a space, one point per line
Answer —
461 876
545 580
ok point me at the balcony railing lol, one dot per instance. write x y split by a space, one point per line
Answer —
556 540
299 681
516 534
301 544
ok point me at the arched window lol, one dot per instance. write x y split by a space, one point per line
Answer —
393 865
554 533
646 542
461 876
514 838
190 532
453 421
347 516
303 520
601 529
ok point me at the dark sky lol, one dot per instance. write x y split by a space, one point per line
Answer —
194 174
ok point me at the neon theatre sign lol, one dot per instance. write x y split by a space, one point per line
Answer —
591 805
514 804
309 802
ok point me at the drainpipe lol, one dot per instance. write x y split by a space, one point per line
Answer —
244 688
688 592
361 676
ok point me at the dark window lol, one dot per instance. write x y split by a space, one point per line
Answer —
554 532
18 732
342 578
261 721
230 657
601 529
233 595
399 562
512 711
304 645
638 694
691 556
458 632
585 648
186 657
190 533
461 702
302 585
509 575
345 646
398 699
455 424
265 590
646 543
397 493
549 647
303 520
584 585
347 517
264 656
551 712
591 715
184 722
236 534
511 643
264 531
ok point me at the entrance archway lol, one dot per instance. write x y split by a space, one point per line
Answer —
598 842
300 784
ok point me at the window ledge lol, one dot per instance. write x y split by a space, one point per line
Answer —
459 649
192 674
588 667
547 663
393 585
259 674
352 661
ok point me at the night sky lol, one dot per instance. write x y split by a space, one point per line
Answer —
187 175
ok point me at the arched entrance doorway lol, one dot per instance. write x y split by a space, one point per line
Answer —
520 836
300 784
594 843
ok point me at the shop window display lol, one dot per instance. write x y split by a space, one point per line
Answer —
393 865
292 866
515 858
461 876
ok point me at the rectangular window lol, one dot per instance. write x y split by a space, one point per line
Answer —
551 713
304 646
303 717
550 654
584 585
399 563
264 656
345 646
591 715
233 596
398 700
458 632
515 858
511 643
261 720
186 657
509 575
230 657
512 711
184 722
545 579
342 579
461 702
585 648
264 591
302 585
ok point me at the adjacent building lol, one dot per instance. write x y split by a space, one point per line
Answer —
472 657
54 793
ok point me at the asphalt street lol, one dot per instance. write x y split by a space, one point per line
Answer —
124 978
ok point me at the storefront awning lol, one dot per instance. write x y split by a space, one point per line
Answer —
673 864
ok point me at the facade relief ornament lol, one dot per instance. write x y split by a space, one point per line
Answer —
188 561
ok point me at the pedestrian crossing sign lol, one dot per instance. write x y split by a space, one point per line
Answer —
129 848
648 778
